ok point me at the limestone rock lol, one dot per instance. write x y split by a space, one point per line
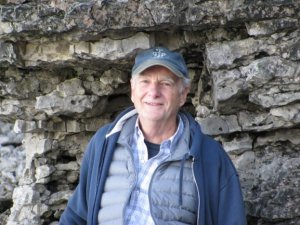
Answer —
12 163
214 125
64 72
108 83
222 55
238 145
8 53
59 197
42 173
56 104
261 122
265 78
268 27
229 86
288 113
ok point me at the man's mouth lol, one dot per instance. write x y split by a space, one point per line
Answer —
153 103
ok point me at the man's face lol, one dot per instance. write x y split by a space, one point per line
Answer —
157 95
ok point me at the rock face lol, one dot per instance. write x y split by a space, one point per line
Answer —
12 164
65 70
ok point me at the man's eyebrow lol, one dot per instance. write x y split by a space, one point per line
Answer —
168 79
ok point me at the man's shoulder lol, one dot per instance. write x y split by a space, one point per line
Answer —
104 129
101 133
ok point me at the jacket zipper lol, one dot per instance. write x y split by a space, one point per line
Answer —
198 192
132 187
149 192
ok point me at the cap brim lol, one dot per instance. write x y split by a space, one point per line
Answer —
145 65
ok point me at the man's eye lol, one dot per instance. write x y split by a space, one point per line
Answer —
167 84
144 81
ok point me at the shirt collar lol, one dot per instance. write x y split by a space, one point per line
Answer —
170 141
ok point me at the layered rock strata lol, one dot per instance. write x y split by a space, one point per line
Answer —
65 70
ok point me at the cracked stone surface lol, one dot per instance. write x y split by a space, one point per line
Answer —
65 71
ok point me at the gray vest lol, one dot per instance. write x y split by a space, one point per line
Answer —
172 195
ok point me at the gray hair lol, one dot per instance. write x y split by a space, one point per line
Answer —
186 82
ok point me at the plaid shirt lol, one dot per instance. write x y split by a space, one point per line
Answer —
138 208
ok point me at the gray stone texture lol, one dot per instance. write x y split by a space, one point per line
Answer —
65 71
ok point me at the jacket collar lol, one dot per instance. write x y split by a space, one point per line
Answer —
119 121
191 142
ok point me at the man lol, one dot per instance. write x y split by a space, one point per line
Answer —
153 165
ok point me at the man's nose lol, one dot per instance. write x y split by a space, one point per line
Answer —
154 89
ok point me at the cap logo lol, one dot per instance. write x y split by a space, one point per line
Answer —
159 53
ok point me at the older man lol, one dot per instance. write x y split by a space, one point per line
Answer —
153 165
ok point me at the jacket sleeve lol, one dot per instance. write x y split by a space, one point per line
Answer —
231 210
220 201
231 206
77 208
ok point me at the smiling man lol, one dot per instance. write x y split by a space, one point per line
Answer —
153 165
157 95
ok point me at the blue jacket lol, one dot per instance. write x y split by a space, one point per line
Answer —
221 201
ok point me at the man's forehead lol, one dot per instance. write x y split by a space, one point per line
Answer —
158 71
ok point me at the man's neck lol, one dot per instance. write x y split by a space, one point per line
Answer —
157 132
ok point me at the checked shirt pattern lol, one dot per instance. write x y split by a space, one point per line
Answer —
138 208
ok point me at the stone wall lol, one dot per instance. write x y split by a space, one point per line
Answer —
65 70
12 160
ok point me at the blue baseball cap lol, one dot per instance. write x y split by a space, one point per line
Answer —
160 56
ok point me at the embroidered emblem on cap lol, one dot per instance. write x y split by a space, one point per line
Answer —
159 53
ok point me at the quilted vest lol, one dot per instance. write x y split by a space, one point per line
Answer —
172 194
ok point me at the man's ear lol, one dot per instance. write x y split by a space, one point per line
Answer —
183 95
